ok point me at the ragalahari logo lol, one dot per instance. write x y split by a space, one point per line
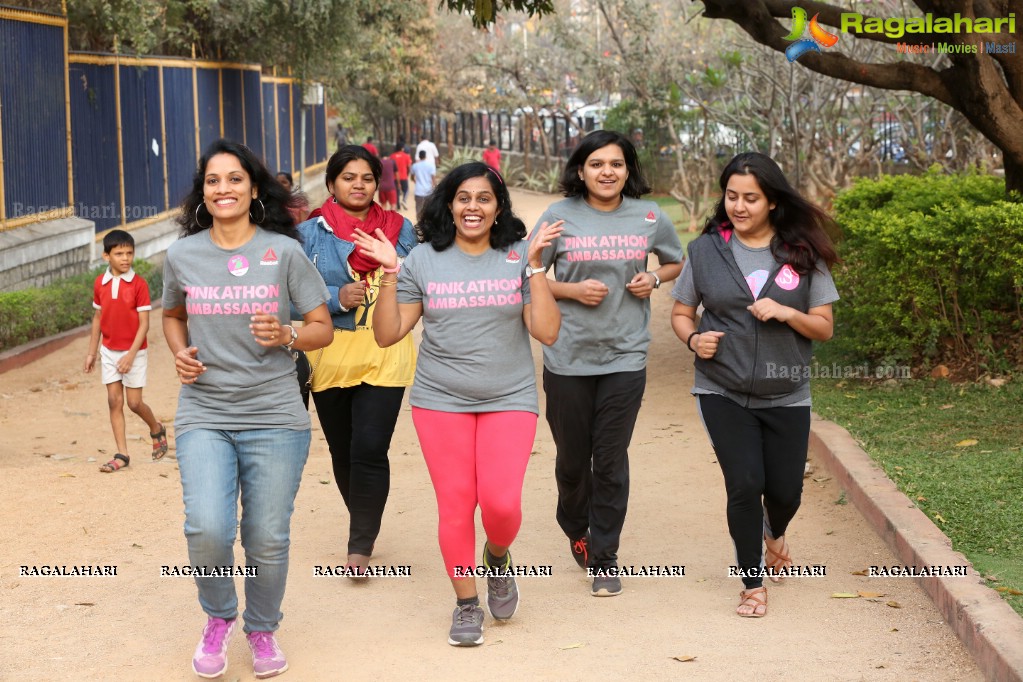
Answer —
818 36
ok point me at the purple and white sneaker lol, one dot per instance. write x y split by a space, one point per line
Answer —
267 658
210 659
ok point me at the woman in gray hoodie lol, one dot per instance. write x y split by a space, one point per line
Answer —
761 269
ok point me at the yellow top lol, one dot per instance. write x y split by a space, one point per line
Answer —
354 357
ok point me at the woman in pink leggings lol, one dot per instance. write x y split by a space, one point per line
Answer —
481 293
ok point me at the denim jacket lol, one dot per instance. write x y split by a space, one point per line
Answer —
330 256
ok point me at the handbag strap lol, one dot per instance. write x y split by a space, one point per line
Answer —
312 371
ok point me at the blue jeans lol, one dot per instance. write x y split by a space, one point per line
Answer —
265 466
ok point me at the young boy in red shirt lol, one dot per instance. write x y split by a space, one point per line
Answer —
404 162
121 300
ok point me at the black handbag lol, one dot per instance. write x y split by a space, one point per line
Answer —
305 375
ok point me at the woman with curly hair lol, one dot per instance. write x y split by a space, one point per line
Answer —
481 293
241 427
761 269
357 386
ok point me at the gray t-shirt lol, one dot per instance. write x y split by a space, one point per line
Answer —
756 265
474 355
612 247
245 386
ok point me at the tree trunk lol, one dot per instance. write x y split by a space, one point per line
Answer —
1013 173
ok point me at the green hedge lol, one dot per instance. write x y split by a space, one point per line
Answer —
932 272
33 314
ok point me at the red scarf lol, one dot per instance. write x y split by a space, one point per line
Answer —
344 226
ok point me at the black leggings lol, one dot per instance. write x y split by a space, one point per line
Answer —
358 423
762 453
592 419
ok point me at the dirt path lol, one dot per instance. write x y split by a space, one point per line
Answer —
58 509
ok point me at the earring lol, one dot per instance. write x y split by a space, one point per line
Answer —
262 217
205 227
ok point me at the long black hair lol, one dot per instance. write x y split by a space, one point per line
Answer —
271 209
345 155
802 231
573 186
437 225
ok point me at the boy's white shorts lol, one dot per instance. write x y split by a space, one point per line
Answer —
136 376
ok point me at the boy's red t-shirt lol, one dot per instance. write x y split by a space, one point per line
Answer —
404 162
492 157
119 300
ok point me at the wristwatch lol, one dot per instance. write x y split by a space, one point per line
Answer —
294 337
530 270
657 280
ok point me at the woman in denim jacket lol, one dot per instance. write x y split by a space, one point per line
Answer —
356 385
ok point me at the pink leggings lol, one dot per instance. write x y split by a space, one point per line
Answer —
475 458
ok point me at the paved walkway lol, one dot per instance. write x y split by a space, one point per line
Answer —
59 510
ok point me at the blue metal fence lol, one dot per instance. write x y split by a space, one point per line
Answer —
34 168
141 143
180 126
116 139
94 144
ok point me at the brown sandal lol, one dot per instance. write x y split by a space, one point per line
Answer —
755 598
115 464
781 560
160 446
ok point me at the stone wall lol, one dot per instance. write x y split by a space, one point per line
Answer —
37 254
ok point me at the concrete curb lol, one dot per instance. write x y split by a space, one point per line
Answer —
20 356
987 626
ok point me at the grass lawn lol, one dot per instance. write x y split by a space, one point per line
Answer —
956 450
674 211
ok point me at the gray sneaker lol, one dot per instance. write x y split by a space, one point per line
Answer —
502 592
466 626
606 586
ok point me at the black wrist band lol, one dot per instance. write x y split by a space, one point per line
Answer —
690 340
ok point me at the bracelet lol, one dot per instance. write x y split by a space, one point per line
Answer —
386 283
688 340
395 269
294 337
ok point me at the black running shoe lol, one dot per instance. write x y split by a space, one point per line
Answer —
580 550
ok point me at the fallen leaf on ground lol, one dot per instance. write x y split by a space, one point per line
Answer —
894 630
863 572
684 659
939 517
67 475
572 646
946 407
84 603
894 604
967 443
921 498
870 595
136 545
324 482
845 595
1005 589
